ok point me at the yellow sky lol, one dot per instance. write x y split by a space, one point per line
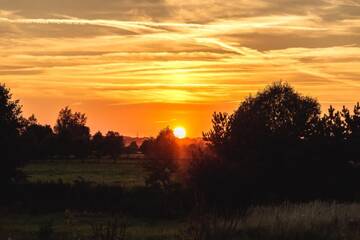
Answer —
138 66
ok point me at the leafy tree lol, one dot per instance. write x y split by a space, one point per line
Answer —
98 145
114 144
11 126
38 140
263 144
218 136
272 118
133 148
276 114
162 154
145 147
69 121
73 134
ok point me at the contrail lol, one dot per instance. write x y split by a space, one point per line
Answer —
125 25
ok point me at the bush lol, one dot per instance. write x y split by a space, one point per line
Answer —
46 231
211 226
113 229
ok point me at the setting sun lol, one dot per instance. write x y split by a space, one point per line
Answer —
180 132
199 117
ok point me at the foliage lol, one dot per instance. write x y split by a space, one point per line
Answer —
11 126
72 133
69 122
26 139
132 148
145 147
38 140
114 229
271 141
98 145
276 116
218 136
46 231
161 159
113 144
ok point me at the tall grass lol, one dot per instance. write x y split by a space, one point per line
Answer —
315 220
287 221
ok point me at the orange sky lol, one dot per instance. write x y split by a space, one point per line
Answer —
138 66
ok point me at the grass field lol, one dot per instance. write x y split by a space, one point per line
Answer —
307 221
315 220
125 172
310 221
26 227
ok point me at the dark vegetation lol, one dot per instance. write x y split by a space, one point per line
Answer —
276 147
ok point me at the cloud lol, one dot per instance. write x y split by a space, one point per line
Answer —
127 26
21 72
108 9
123 53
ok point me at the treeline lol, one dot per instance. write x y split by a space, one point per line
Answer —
22 139
70 138
278 145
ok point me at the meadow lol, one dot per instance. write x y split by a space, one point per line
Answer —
307 221
310 220
127 172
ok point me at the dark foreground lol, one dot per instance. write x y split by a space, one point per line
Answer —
315 220
133 212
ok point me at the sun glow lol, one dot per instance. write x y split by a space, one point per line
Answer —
180 132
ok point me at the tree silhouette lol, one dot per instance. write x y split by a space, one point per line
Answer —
11 126
263 144
353 123
132 148
98 145
338 140
114 144
72 133
38 140
145 147
161 161
218 136
276 114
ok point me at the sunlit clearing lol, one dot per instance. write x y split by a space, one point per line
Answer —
180 132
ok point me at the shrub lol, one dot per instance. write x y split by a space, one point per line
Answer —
46 231
113 229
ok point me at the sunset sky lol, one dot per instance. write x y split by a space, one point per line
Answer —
136 66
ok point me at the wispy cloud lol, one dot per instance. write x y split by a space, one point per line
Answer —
206 52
